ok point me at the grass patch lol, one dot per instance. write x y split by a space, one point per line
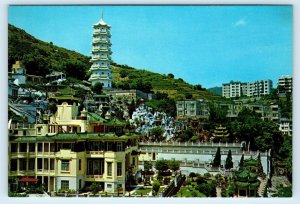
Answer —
188 191
143 191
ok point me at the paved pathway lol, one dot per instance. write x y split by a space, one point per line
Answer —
135 189
219 191
262 186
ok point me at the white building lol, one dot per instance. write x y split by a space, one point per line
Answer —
286 126
285 84
259 88
101 55
251 89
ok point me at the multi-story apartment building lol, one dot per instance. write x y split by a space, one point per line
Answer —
251 89
70 151
192 108
200 109
233 89
285 84
259 88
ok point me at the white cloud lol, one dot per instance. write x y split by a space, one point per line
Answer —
241 22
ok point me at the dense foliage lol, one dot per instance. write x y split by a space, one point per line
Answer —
228 162
40 58
217 159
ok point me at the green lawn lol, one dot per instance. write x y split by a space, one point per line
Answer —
143 191
188 191
160 190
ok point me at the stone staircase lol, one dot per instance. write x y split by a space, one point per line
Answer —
262 187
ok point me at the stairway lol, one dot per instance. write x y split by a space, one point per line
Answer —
262 187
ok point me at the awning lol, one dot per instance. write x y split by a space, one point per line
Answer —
27 179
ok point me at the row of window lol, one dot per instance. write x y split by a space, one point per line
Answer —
29 164
77 147
95 167
31 147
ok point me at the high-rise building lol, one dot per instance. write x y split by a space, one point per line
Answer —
259 88
285 84
101 55
238 89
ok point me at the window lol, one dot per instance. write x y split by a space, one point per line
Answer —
40 163
46 147
23 147
79 182
52 147
46 166
65 165
109 186
64 185
109 168
14 147
40 147
109 146
119 169
133 161
31 164
31 147
22 163
13 165
51 164
119 147
39 130
79 165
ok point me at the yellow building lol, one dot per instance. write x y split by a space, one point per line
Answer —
72 152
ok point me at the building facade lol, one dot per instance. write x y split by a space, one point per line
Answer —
286 126
101 55
285 84
250 89
200 109
70 152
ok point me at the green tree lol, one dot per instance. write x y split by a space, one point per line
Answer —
161 166
157 132
94 188
174 165
241 164
123 73
217 159
188 96
155 186
52 107
170 75
228 162
119 189
283 191
217 115
192 175
147 167
97 88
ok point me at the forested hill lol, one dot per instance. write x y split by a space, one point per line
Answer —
40 58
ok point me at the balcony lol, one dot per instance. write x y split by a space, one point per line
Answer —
92 178
95 154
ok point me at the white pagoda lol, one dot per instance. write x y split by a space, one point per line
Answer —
101 55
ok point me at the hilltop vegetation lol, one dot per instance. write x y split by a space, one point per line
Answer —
40 58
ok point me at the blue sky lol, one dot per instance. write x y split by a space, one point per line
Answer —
207 45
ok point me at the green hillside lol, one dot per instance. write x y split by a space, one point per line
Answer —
40 58
216 90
